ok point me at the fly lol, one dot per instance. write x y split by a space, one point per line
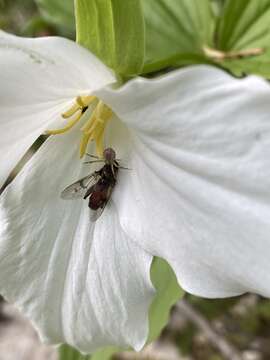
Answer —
98 186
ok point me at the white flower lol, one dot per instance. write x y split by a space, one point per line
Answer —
197 142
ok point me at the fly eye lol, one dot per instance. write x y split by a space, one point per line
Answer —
109 154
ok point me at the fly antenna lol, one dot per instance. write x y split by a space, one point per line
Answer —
93 161
92 156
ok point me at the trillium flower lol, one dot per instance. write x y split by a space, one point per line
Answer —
197 143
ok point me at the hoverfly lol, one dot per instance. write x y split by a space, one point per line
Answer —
98 186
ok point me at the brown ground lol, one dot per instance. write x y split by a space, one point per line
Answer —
18 340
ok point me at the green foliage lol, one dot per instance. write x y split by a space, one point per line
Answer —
114 31
217 6
177 29
178 32
168 293
14 15
145 36
245 25
259 65
185 339
68 353
214 307
58 12
105 354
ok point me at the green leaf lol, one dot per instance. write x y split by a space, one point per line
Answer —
34 26
168 293
244 24
217 6
178 60
114 31
177 27
243 37
259 65
58 12
68 353
106 353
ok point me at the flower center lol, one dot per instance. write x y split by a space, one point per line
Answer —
94 122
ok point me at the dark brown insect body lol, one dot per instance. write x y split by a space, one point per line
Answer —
97 186
100 192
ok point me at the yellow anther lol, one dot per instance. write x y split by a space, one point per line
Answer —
89 123
98 135
70 111
94 128
84 101
100 144
69 125
80 102
88 99
83 145
95 123
106 112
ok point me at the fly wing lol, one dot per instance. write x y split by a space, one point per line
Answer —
78 189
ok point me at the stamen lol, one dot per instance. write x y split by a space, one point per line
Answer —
100 143
83 145
94 126
69 125
81 104
85 101
71 111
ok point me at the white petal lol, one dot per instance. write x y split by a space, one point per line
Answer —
39 79
199 190
84 284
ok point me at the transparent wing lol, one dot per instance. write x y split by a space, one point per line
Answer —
95 214
78 189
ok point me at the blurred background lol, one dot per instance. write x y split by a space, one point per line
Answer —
199 329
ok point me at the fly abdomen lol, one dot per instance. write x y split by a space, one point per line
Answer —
98 197
96 200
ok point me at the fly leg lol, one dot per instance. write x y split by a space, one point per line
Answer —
93 161
92 156
113 172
